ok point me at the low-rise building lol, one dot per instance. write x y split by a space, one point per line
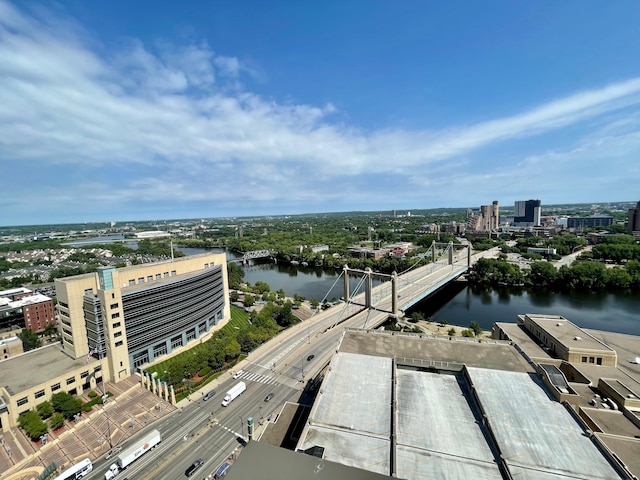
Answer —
22 308
10 347
589 222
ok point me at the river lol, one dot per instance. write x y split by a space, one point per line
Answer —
459 304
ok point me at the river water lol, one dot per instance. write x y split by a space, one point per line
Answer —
459 304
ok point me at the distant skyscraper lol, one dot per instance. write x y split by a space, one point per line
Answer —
634 219
486 220
527 213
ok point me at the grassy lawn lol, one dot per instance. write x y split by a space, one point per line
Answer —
239 321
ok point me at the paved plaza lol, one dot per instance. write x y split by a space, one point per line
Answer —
130 409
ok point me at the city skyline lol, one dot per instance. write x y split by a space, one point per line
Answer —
130 112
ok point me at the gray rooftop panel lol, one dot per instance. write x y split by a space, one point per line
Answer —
351 448
420 464
535 434
356 394
434 415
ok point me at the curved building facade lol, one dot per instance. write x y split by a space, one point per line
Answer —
134 315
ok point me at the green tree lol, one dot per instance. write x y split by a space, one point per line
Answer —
542 274
56 421
249 300
234 296
235 274
66 404
29 339
50 329
32 424
261 287
45 410
475 328
617 278
451 332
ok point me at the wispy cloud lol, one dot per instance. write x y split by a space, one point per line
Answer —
176 120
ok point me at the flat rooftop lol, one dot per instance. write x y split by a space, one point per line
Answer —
260 460
567 333
42 364
483 353
381 413
536 435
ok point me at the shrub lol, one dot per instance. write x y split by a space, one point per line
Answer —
92 394
32 424
452 332
56 421
468 333
204 371
66 404
45 410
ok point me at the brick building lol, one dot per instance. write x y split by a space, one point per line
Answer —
20 307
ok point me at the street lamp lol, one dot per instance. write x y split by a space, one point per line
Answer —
241 425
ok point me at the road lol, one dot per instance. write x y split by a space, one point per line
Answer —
569 259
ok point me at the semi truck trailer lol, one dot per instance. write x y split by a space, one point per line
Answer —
130 454
233 393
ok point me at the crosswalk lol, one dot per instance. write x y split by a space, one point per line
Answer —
256 377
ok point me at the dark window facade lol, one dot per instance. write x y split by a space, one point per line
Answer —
160 312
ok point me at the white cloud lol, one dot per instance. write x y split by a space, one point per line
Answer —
169 111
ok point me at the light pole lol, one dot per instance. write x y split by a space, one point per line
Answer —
241 425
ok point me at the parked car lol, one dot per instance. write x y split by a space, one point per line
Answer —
268 397
209 395
310 357
194 466
238 374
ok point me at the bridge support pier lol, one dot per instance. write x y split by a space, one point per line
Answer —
368 288
345 270
394 295
450 253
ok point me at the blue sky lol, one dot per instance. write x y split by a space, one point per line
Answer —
139 110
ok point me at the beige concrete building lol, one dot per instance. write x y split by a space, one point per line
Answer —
133 315
31 378
563 339
10 347
114 321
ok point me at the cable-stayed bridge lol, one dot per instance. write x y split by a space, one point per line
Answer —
399 291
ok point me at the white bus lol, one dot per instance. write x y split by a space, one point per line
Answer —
80 469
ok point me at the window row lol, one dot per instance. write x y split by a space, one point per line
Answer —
150 278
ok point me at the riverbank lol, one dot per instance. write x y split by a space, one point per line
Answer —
443 330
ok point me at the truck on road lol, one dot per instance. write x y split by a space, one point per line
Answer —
130 454
233 393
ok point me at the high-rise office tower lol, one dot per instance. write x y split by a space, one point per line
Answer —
527 213
634 219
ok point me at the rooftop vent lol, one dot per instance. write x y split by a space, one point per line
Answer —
558 324
577 339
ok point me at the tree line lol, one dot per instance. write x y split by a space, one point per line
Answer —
582 275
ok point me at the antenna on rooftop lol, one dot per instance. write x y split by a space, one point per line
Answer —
171 243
